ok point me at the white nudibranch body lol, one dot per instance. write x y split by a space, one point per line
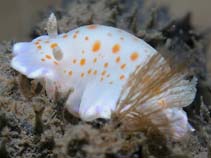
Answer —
96 62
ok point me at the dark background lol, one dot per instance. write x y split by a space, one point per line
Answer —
18 16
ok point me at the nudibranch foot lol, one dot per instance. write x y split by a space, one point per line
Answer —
103 98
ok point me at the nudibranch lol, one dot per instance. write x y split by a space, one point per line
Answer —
99 63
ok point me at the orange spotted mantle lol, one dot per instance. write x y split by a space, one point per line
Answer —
95 61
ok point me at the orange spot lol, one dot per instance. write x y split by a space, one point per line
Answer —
95 60
70 73
82 74
75 36
37 43
105 65
74 61
123 66
83 61
43 59
39 47
48 56
56 63
95 72
96 46
162 103
116 48
91 26
89 71
65 36
103 73
134 56
121 77
54 45
118 59
86 38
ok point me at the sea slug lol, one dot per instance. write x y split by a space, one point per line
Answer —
97 62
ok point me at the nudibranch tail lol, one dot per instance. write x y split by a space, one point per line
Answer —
154 96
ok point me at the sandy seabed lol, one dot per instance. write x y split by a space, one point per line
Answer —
33 126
